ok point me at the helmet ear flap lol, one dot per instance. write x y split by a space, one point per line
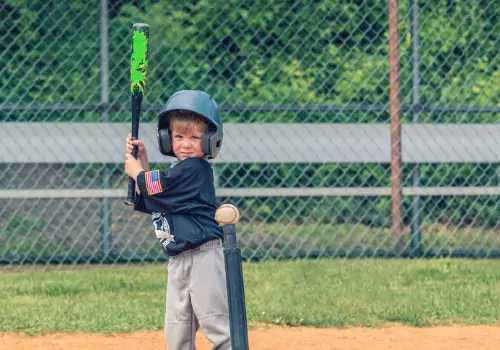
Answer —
164 143
211 144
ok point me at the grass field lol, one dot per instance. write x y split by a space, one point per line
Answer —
331 293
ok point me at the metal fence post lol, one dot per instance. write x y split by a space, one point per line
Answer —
416 234
105 215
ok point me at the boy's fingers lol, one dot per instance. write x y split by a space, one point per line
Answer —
137 143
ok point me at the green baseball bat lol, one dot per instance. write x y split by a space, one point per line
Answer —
138 70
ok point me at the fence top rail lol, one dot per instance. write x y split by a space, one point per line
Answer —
114 107
263 192
66 142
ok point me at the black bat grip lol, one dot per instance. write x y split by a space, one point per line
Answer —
136 112
131 184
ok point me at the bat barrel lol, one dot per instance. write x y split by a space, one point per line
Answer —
138 69
235 291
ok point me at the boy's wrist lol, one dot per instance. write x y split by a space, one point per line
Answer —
137 174
136 170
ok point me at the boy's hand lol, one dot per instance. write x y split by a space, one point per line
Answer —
142 153
141 148
132 166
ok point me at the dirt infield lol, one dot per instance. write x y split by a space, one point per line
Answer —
274 338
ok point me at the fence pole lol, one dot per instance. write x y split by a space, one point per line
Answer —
395 114
105 224
416 233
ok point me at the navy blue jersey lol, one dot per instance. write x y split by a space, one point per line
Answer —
182 203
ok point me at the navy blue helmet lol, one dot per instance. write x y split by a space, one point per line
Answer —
198 102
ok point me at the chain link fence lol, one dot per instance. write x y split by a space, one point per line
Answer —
304 92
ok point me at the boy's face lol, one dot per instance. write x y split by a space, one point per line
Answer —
187 143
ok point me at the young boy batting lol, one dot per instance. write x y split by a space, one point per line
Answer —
182 203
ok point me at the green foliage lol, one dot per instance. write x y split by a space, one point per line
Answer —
49 54
276 53
261 53
25 224
22 235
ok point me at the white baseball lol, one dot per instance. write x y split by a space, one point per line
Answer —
227 214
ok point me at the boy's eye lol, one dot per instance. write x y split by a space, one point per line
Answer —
196 137
178 136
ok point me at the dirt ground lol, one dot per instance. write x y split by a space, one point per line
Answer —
266 337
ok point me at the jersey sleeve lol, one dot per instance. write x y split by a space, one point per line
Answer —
170 190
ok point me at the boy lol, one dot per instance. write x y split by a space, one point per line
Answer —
183 204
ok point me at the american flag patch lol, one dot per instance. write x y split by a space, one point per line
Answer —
153 184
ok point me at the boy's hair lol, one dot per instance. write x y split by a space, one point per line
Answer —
185 121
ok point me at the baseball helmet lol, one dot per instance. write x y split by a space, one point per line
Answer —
200 103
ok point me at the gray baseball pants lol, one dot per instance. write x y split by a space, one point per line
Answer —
197 297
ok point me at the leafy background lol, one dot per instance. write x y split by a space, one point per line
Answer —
282 61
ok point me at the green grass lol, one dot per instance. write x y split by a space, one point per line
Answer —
331 293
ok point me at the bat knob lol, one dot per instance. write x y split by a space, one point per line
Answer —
140 26
227 214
